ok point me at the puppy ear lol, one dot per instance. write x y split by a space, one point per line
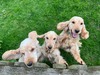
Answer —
11 54
32 35
41 36
84 33
62 25
57 43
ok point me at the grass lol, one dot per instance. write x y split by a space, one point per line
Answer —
19 17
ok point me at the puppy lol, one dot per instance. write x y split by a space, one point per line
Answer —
50 48
69 38
28 52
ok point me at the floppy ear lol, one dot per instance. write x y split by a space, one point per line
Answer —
57 43
11 54
32 35
41 36
62 25
84 33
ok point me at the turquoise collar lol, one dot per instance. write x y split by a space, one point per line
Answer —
68 32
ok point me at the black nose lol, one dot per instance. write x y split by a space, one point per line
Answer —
50 47
76 31
29 64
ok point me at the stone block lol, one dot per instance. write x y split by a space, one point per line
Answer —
43 65
61 66
19 64
80 67
94 68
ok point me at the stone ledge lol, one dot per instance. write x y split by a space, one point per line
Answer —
36 65
17 68
40 65
21 64
60 66
94 67
6 63
43 65
13 70
81 67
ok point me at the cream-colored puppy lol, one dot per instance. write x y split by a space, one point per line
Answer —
28 52
70 36
50 48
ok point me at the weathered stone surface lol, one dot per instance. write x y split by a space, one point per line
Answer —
43 69
63 66
81 67
40 65
43 65
94 67
5 63
19 64
13 70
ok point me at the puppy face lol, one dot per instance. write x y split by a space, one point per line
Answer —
50 40
75 26
29 54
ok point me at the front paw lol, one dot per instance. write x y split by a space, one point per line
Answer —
82 62
85 35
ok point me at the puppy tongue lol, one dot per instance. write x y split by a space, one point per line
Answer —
74 35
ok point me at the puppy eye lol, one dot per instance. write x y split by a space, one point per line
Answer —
32 49
23 53
81 23
54 38
47 38
73 22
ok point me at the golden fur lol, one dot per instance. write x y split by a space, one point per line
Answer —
70 36
28 52
50 49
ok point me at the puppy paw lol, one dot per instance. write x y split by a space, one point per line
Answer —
64 62
85 35
82 63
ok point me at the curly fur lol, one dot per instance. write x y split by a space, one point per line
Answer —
28 52
53 53
69 38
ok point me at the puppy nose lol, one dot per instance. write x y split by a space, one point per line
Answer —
76 31
50 47
29 64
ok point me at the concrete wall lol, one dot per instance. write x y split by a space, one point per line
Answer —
7 68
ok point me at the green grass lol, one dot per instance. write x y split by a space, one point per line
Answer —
19 17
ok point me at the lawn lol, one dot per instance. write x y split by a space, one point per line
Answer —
19 17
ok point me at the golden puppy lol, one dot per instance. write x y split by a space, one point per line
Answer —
50 48
28 52
70 36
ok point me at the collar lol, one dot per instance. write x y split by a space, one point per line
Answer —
68 31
